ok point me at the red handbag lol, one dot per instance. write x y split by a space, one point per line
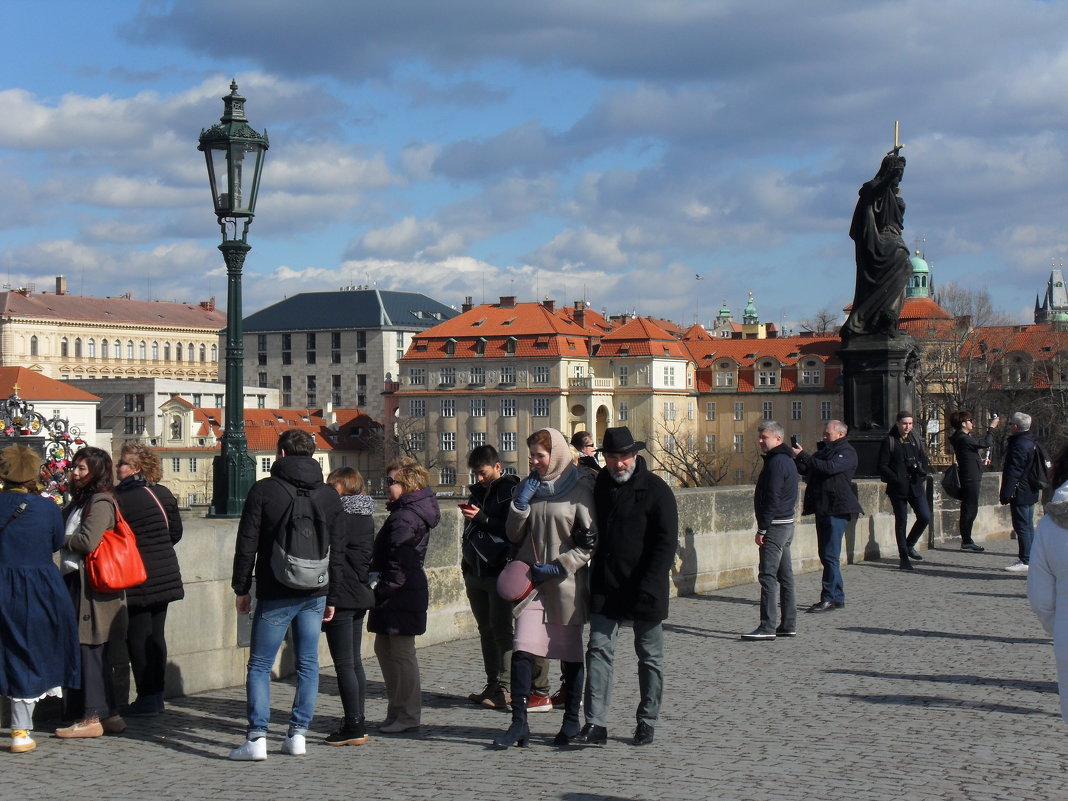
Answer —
115 564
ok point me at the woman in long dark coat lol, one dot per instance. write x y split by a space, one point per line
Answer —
401 592
152 512
38 631
970 470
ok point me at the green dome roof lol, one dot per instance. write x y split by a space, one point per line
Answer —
918 264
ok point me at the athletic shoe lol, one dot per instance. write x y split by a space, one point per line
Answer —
295 745
539 703
348 735
251 751
1017 567
971 546
21 742
759 634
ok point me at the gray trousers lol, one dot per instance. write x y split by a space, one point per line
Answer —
776 572
600 653
22 714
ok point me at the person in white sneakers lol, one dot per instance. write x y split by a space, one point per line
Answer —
280 606
1016 489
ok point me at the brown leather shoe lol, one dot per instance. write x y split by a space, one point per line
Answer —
90 727
113 725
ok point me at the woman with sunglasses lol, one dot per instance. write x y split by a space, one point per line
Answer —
401 591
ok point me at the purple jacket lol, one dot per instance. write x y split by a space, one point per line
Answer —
402 595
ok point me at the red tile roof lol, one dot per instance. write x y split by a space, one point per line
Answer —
641 337
121 311
34 386
263 427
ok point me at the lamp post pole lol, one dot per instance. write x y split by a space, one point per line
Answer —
234 154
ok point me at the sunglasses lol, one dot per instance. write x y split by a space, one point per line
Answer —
389 482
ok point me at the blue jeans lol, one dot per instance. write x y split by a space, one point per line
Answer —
270 622
648 645
1023 523
829 532
776 570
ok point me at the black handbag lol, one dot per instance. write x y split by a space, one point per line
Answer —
951 482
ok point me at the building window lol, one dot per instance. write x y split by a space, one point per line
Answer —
215 353
448 476
130 350
335 389
825 410
710 442
510 344
507 407
669 375
668 443
35 346
624 375
117 349
64 348
541 374
287 348
91 345
142 350
669 410
262 380
448 407
176 465
478 376
261 342
400 345
724 378
78 348
335 347
507 440
361 389
507 375
417 407
621 413
127 425
448 440
312 394
417 441
265 464
310 357
739 410
539 407
193 465
155 351
766 410
450 347
309 340
767 378
795 410
739 443
739 476
361 346
480 346
810 375
476 439
478 407
448 376
417 376
710 411
128 403
287 391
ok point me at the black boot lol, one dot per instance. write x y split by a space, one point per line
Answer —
573 675
518 733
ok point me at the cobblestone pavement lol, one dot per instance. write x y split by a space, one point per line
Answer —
938 684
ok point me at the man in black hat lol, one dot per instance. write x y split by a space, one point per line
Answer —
638 532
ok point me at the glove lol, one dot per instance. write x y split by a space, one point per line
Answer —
540 572
584 538
526 491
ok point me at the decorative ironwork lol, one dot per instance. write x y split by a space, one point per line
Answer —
55 439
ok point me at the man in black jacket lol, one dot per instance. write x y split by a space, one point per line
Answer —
903 467
1016 489
829 496
279 607
774 501
637 535
484 549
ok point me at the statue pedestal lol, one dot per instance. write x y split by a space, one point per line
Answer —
877 372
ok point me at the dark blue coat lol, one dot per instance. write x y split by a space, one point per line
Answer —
1015 487
775 496
829 476
38 626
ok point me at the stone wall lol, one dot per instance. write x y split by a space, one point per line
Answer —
715 550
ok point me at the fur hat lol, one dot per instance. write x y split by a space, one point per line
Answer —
19 464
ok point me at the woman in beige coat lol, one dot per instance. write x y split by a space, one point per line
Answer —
101 616
551 523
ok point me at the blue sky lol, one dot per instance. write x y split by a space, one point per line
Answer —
601 149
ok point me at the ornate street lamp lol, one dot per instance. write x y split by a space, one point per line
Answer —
234 154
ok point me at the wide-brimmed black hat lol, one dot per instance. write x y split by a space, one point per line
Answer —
619 440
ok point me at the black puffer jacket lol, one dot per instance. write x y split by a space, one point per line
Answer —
350 555
157 532
492 502
829 480
263 514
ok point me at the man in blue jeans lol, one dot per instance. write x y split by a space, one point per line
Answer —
1016 489
278 606
637 535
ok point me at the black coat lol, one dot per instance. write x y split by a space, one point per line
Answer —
264 513
402 595
829 480
637 536
966 449
1015 486
350 555
775 496
492 502
156 534
895 455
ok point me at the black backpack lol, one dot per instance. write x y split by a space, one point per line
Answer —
300 557
1038 473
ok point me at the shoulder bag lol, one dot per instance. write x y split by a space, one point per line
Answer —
951 482
115 564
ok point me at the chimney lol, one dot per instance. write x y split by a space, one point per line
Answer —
549 305
467 304
61 285
580 316
507 302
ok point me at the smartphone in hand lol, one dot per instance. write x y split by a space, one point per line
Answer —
794 441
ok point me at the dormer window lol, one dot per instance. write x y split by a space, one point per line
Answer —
510 345
480 346
450 347
811 374
767 374
724 375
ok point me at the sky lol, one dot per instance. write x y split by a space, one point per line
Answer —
658 157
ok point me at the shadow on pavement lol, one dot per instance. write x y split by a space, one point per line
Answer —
950 635
938 701
955 678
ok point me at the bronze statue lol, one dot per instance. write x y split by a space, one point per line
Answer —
883 264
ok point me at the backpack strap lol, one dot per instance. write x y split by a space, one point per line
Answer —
14 515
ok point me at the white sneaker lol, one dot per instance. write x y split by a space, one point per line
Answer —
251 751
295 745
1017 567
21 742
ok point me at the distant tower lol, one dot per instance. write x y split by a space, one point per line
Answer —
1054 306
749 315
919 285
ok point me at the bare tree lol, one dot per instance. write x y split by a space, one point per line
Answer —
972 304
824 321
690 463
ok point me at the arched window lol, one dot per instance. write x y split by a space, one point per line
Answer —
64 348
91 344
189 351
203 353
104 345
129 349
166 351
78 348
34 346
178 351
142 350
118 349
155 351
215 353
